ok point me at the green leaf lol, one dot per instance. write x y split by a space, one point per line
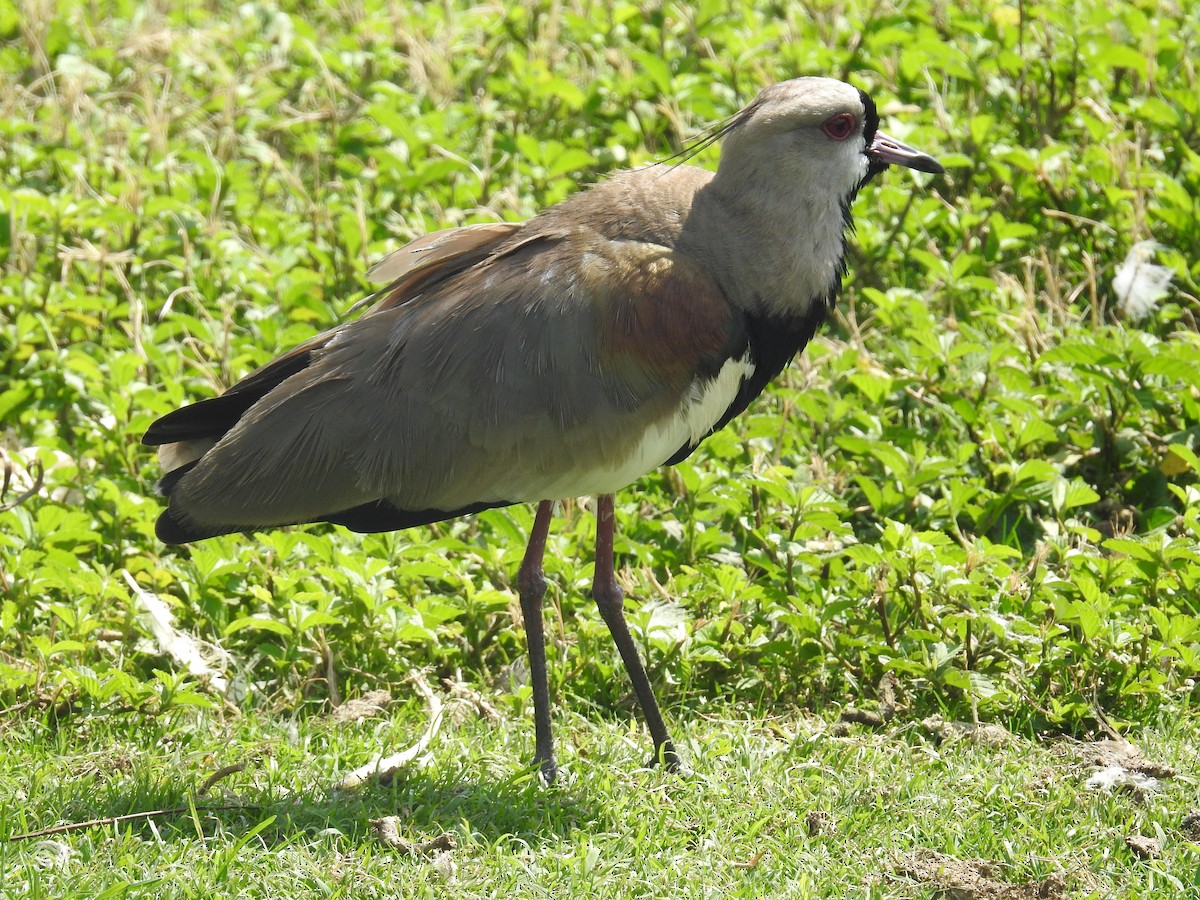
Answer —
1132 548
258 623
1177 459
570 160
316 619
1081 353
1070 494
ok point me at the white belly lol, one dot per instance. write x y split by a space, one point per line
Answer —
691 421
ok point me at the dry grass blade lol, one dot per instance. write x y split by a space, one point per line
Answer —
39 477
128 817
220 775
383 767
387 829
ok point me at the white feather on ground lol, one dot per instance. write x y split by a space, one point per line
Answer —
1139 284
180 646
1111 777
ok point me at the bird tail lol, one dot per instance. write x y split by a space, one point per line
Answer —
170 529
184 435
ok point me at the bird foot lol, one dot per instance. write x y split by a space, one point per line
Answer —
668 758
548 769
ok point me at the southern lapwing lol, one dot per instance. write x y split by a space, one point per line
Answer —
560 357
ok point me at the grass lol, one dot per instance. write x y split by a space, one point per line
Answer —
774 806
978 485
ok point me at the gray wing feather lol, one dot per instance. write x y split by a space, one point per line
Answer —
495 386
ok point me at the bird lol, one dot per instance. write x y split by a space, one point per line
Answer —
564 356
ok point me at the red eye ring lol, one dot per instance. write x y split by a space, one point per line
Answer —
840 127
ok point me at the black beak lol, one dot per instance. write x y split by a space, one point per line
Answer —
884 150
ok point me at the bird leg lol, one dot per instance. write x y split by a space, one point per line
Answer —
610 600
531 585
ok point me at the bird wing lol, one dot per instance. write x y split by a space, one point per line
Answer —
431 257
560 364
438 248
415 267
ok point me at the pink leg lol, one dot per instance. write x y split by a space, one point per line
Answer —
610 600
531 585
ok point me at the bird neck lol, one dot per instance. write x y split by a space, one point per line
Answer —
783 253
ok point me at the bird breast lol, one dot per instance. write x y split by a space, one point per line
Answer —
701 409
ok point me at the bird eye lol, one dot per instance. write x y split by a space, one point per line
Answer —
840 126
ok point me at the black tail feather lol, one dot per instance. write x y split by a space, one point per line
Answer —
171 531
207 418
215 416
167 483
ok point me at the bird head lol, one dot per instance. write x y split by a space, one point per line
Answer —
815 131
792 162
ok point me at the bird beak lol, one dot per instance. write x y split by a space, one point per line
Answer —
889 150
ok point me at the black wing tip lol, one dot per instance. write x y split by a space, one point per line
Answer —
172 427
207 418
170 530
381 515
153 436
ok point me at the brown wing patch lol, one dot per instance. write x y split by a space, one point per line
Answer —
659 316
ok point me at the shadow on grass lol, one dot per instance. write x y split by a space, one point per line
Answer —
427 805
